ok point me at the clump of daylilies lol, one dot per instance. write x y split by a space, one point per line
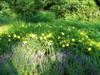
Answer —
62 39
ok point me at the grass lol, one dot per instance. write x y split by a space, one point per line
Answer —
44 60
78 40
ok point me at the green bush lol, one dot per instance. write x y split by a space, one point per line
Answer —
6 14
68 9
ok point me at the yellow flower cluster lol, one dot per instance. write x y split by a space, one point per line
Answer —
73 40
89 49
93 43
98 45
47 38
62 33
82 33
63 40
34 36
15 36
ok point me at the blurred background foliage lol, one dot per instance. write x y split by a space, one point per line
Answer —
87 10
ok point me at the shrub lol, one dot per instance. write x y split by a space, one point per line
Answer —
68 9
6 12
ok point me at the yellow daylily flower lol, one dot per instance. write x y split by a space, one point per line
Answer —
82 33
24 42
18 37
42 34
89 49
45 37
49 35
73 40
41 38
62 33
9 35
63 45
14 35
67 44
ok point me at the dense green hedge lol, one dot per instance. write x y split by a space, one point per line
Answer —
67 9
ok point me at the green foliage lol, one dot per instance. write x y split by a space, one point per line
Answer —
48 42
30 59
44 60
69 9
66 34
97 2
42 16
44 43
6 14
